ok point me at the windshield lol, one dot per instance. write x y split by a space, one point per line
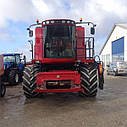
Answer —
59 41
9 58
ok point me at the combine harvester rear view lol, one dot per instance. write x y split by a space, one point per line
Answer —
63 60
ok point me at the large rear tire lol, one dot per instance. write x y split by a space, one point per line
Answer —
29 81
2 89
13 77
89 80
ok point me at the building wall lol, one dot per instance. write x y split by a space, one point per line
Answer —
118 50
117 33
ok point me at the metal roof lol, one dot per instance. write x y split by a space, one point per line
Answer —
122 25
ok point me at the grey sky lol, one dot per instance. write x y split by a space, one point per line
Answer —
104 13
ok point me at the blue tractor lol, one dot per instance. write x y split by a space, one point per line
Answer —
13 68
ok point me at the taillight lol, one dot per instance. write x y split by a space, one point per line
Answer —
100 69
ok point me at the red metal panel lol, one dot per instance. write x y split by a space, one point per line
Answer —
38 48
88 61
63 75
59 90
58 75
38 32
81 49
49 60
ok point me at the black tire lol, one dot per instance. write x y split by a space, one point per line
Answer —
88 80
107 73
2 90
13 77
29 80
115 73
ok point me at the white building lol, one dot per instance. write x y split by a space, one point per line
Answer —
115 47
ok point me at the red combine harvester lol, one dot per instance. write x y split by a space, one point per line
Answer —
63 60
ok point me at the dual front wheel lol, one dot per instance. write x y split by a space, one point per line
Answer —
88 80
14 77
2 89
29 80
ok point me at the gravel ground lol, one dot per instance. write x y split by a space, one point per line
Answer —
108 109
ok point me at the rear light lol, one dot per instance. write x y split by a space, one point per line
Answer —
100 69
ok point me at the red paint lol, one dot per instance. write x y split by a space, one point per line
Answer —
38 48
64 75
59 90
58 24
59 19
81 48
87 60
50 60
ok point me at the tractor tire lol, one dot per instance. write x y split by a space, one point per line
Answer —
115 74
29 80
2 89
108 73
13 77
88 80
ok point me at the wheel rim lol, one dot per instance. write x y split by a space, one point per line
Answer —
16 78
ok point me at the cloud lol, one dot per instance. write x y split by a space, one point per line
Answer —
14 10
5 36
28 10
102 12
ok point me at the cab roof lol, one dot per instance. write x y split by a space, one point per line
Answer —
54 21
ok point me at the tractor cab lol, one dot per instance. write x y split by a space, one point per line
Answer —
58 37
11 60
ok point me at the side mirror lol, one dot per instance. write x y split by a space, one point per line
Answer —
92 30
30 33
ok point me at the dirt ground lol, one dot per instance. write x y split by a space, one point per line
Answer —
108 109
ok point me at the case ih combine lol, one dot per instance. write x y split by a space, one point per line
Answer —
63 60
